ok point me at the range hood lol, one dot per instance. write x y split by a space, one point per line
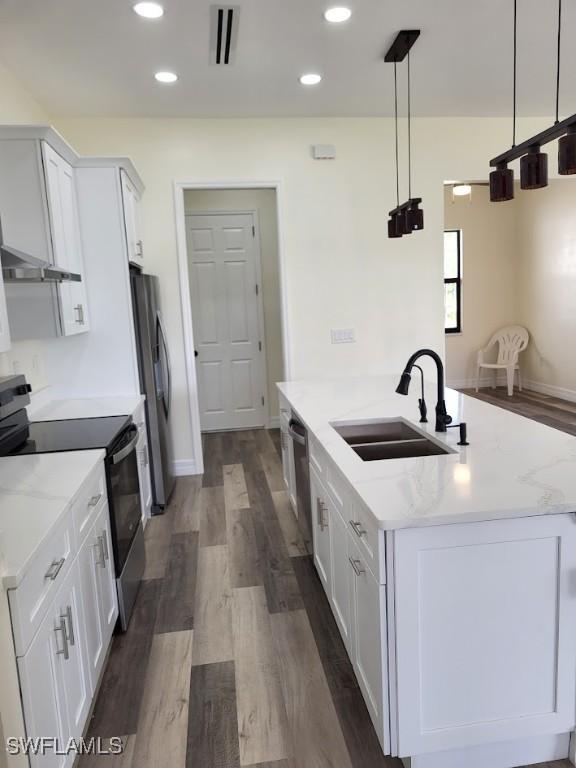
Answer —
19 267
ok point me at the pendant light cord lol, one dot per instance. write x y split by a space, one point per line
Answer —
558 61
409 137
396 125
514 76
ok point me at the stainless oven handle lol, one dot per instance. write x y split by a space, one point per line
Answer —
116 458
296 436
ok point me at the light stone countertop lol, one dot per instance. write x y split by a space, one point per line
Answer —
513 467
85 408
36 490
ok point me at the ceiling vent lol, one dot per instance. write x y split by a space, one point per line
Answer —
223 33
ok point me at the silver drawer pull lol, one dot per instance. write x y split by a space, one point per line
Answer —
99 547
105 550
67 618
55 568
357 528
139 248
94 500
64 651
320 509
356 566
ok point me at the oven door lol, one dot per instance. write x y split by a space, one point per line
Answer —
123 495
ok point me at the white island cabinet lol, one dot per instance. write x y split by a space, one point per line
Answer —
60 584
451 577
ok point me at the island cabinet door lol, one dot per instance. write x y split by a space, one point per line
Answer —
485 624
321 526
341 597
368 640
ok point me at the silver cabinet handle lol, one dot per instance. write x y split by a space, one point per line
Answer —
55 568
67 618
105 549
64 651
139 248
357 528
99 547
94 500
79 309
356 566
321 508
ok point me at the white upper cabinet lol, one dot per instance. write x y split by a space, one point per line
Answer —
67 250
39 217
131 203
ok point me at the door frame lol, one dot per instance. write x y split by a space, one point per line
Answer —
196 466
263 362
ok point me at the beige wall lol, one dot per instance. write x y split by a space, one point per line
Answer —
263 201
489 277
341 270
546 275
519 266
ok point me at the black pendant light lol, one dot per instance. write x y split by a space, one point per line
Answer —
534 169
533 162
567 152
406 217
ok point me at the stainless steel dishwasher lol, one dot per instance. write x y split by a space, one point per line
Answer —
299 437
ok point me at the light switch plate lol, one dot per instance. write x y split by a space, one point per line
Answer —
343 335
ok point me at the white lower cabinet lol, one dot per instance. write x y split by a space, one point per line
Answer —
342 586
60 662
485 621
288 469
54 677
321 527
368 636
358 601
98 592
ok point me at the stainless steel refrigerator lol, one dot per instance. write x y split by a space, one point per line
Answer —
155 383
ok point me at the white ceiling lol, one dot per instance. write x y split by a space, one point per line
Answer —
96 57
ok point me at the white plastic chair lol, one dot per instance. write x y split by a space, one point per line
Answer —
511 341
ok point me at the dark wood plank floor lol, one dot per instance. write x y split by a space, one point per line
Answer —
233 657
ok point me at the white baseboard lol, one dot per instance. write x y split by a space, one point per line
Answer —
550 389
183 467
274 422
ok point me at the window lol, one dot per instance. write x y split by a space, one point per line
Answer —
452 281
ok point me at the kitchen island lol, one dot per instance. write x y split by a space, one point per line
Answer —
451 575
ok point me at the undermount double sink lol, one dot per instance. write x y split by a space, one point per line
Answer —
387 439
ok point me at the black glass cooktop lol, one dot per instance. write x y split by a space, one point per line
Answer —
72 435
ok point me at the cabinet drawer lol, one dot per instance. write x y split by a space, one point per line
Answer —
369 538
89 503
316 456
30 600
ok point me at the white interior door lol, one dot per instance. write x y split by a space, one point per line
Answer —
226 316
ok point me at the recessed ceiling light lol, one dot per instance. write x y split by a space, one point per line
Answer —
338 14
461 190
310 79
166 77
149 10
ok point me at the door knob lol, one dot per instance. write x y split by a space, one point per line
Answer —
195 353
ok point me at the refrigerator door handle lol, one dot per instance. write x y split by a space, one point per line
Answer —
164 355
